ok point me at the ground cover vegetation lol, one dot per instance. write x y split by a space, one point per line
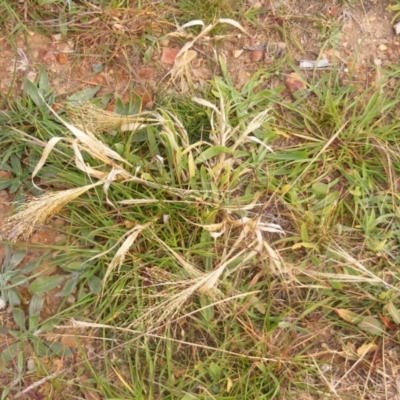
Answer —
228 241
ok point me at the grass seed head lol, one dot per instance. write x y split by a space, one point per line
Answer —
38 210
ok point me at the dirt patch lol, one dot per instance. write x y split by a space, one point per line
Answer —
303 30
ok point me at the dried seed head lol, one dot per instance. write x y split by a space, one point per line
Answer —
38 210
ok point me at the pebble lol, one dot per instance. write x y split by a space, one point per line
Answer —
62 58
71 299
30 364
382 47
237 53
3 304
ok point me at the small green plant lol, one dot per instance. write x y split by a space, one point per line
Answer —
396 9
21 175
13 275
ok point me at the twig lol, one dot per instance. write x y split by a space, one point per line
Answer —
38 383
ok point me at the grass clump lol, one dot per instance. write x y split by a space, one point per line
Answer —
216 263
253 255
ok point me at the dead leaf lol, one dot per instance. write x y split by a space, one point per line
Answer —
366 348
386 321
294 83
229 385
185 59
349 351
348 316
169 55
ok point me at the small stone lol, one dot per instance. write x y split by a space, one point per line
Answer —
237 53
256 55
168 55
49 57
382 47
3 304
30 364
71 299
57 37
164 42
294 83
62 58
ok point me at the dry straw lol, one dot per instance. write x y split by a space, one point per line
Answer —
39 210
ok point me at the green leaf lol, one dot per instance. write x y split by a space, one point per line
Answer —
320 188
13 297
59 349
29 267
329 199
33 322
44 81
188 396
336 285
36 304
371 325
16 258
19 317
5 183
215 371
68 287
119 106
46 283
74 266
95 284
83 95
394 312
33 92
212 152
16 164
11 352
15 185
304 232
62 24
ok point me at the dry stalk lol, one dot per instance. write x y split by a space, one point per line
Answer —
93 119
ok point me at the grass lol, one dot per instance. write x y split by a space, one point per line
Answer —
235 244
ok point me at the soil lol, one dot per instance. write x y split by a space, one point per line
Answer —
365 44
